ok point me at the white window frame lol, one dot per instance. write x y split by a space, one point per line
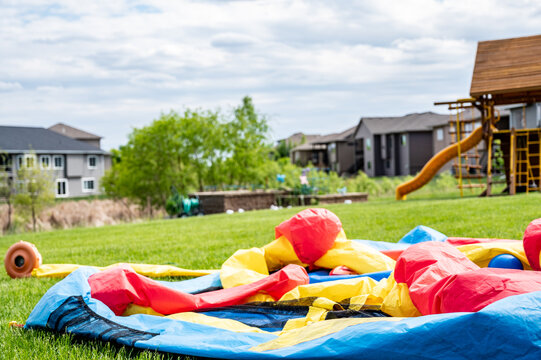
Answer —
54 162
439 134
22 160
41 163
83 184
64 180
88 162
538 106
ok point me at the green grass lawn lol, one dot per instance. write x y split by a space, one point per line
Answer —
205 242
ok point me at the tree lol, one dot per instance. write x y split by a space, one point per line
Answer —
7 190
206 145
34 190
189 151
282 150
247 134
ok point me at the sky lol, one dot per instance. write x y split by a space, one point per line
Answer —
315 67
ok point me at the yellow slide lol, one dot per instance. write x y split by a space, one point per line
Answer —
433 165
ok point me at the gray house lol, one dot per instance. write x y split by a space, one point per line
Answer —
328 152
76 166
525 116
391 146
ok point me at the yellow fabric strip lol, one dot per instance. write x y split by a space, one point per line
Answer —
315 314
226 324
482 253
133 309
334 290
315 331
63 270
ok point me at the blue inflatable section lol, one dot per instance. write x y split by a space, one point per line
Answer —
507 329
383 245
420 234
323 276
196 285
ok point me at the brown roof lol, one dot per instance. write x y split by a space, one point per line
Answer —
72 132
509 69
297 138
335 137
309 147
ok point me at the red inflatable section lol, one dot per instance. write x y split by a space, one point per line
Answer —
441 279
342 270
458 241
312 233
393 254
532 243
120 286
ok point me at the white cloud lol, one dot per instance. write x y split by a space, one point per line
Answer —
312 66
10 86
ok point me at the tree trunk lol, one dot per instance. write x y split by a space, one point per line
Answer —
33 218
149 207
127 205
10 211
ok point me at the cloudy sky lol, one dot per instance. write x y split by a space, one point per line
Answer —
312 66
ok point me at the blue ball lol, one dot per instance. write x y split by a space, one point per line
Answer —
506 261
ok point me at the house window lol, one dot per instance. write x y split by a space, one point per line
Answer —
26 160
5 162
403 140
92 161
45 162
62 188
439 134
369 165
89 184
538 115
468 127
331 151
58 162
368 145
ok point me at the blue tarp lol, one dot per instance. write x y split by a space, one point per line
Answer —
507 329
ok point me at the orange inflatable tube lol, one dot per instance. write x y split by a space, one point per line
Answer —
21 259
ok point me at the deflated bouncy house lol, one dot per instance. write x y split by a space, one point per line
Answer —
312 293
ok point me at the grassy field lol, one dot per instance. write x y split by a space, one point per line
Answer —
205 242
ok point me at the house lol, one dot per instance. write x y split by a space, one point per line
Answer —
298 139
339 149
75 163
524 116
391 146
303 155
328 152
77 134
309 154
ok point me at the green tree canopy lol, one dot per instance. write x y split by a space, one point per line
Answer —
191 150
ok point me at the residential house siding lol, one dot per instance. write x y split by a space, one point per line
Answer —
75 166
401 145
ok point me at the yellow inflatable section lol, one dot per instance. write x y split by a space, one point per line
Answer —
433 165
63 270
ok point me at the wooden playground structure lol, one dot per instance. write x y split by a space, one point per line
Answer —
506 72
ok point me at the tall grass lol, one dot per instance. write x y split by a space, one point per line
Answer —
76 213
